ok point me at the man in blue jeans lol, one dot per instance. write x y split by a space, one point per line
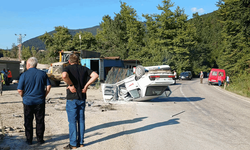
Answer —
78 79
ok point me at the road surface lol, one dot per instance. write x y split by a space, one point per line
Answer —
195 117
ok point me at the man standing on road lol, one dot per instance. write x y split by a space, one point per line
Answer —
76 76
219 80
34 86
201 77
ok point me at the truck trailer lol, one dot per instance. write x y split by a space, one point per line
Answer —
102 65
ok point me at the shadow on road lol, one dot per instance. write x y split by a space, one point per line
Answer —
110 124
175 84
177 99
136 130
11 102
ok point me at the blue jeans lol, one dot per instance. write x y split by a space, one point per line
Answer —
219 83
75 111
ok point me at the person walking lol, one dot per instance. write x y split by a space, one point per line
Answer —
2 82
201 77
9 76
78 79
33 87
175 77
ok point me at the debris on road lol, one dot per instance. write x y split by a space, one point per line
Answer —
178 113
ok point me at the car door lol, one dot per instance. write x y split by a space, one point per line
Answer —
109 92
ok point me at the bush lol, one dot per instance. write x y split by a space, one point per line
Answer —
240 85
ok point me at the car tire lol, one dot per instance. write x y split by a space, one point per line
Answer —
139 71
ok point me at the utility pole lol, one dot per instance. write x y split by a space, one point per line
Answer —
80 37
19 41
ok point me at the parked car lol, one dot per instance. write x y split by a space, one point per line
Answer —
213 76
187 75
147 83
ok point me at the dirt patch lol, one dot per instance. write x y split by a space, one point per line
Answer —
98 114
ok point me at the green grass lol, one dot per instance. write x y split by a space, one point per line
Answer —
240 85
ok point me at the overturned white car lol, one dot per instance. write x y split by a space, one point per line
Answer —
147 83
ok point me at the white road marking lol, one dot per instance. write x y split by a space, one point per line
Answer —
203 111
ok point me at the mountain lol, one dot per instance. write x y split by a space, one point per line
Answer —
38 44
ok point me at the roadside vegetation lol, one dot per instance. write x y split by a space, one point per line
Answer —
240 85
217 40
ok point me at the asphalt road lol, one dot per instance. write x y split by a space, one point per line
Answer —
195 117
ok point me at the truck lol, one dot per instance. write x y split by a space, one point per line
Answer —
55 70
102 65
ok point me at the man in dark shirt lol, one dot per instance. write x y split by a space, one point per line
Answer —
78 79
34 86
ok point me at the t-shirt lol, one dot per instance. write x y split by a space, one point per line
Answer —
219 78
79 75
9 74
201 75
33 82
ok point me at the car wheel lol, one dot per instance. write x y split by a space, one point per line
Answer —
139 71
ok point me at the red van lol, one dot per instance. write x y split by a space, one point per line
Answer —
213 75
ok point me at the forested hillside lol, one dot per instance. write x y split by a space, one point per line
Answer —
38 44
216 40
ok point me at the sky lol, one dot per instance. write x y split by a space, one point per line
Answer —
30 18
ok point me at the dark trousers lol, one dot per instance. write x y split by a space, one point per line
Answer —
29 112
6 81
9 80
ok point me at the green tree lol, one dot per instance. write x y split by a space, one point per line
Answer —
235 53
169 38
13 53
33 51
111 38
121 36
84 41
61 40
205 53
26 53
134 31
